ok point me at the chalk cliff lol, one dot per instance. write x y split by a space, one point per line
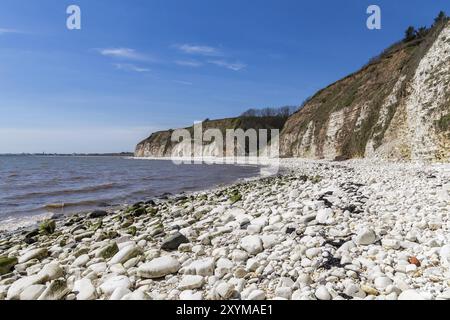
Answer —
160 144
396 107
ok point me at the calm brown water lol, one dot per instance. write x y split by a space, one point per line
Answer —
33 185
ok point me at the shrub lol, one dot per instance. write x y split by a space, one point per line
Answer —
443 124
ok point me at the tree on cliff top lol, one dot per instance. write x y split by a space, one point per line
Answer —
441 17
422 32
283 112
410 34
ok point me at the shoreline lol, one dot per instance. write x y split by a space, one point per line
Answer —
26 222
12 224
320 230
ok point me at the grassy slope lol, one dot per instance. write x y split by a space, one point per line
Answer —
369 86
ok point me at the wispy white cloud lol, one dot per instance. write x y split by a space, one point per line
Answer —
236 66
189 63
213 53
198 49
131 67
186 83
123 53
6 31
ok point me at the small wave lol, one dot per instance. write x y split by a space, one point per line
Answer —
134 194
95 188
79 178
16 223
54 206
26 184
84 203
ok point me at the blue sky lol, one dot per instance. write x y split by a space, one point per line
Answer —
143 65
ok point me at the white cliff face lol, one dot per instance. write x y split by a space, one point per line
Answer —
150 150
307 142
412 134
214 138
330 147
303 143
188 148
396 107
424 105
392 99
363 114
382 151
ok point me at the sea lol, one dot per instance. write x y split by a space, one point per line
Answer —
35 187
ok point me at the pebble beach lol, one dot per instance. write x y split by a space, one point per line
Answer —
316 231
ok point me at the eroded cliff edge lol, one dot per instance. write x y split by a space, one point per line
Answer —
396 107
